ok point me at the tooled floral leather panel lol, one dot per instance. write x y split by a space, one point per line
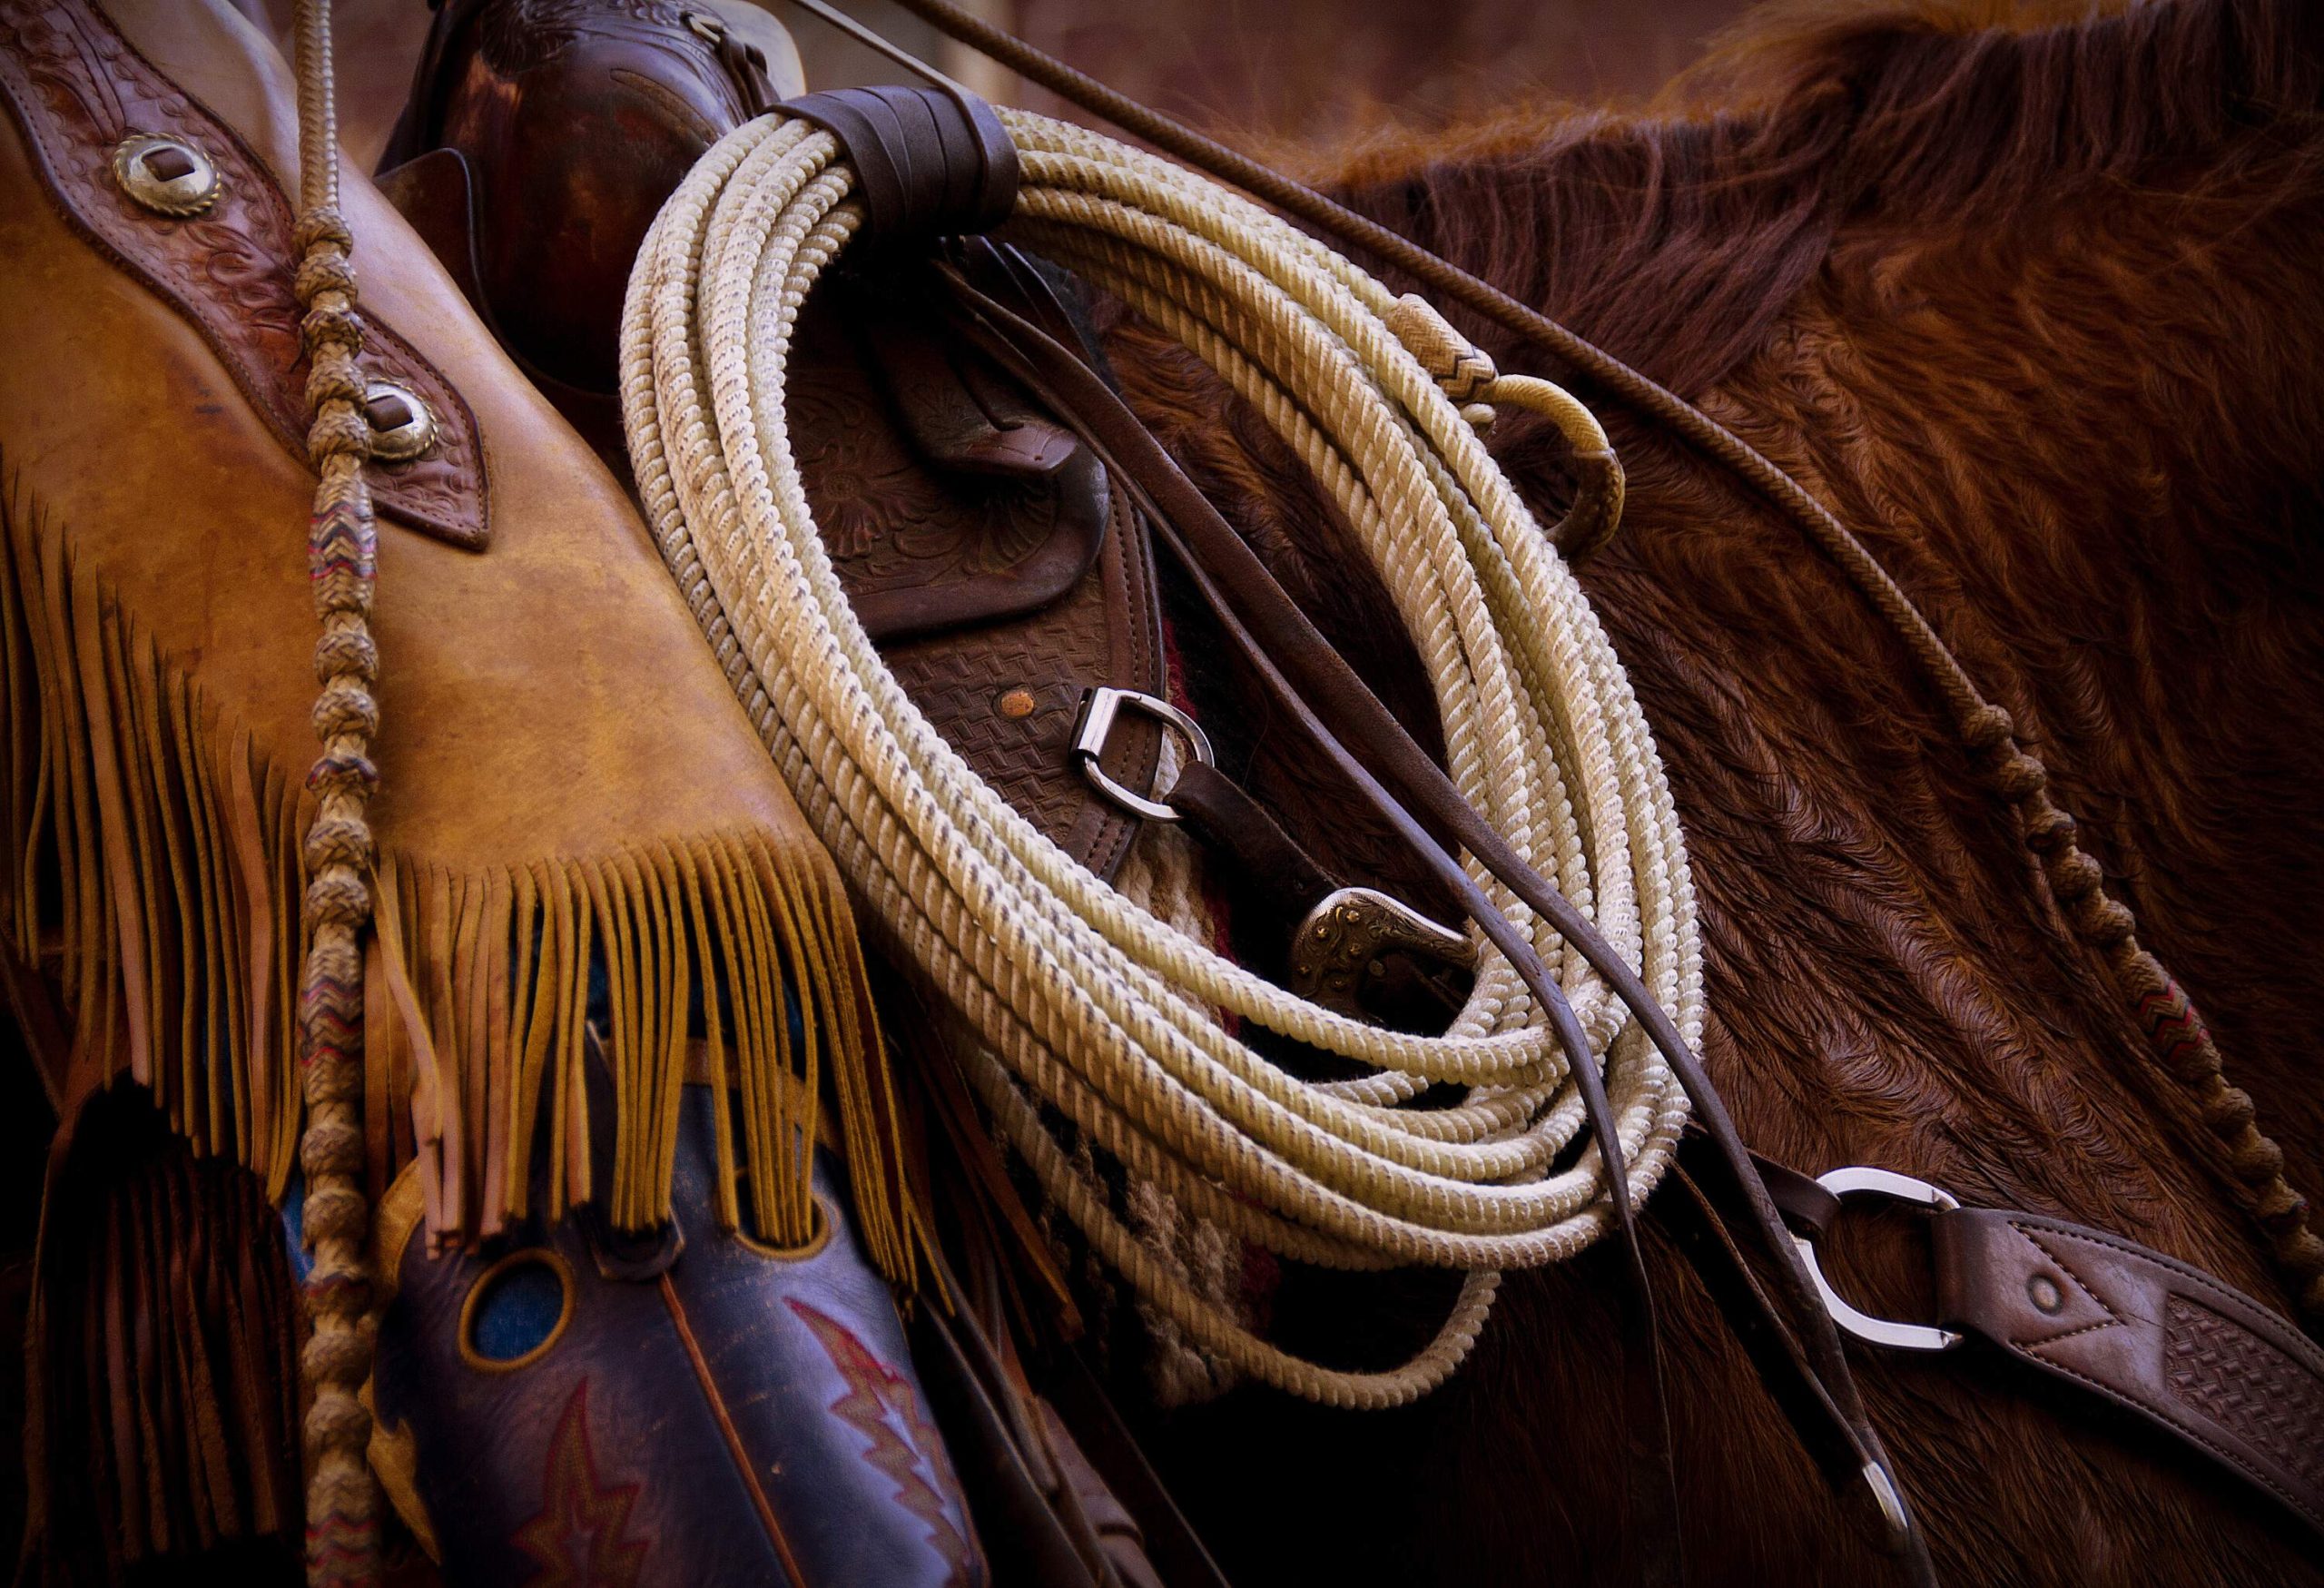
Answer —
1002 684
77 88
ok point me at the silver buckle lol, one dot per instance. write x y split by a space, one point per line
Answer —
1345 933
1100 708
1862 1180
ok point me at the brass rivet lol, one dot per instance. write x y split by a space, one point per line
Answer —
1018 704
402 427
169 176
2045 1293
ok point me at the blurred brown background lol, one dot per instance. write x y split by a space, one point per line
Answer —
1255 70
1315 69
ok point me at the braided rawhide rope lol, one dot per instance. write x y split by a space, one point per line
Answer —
1074 997
2178 1037
342 1529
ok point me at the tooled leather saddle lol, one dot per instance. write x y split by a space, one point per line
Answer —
983 545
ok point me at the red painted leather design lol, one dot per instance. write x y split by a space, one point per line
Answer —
882 1404
581 1536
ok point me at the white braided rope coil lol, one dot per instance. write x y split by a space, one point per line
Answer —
1074 996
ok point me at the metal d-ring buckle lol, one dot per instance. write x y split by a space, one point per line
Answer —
1100 708
1861 1180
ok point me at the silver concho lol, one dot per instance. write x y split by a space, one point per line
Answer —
402 424
169 176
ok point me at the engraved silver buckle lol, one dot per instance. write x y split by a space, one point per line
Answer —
1862 1180
1100 708
1348 930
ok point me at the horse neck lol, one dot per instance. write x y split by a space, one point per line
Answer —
2028 310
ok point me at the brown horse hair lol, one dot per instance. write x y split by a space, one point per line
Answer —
2032 308
1676 239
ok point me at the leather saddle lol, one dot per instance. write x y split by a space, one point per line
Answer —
983 545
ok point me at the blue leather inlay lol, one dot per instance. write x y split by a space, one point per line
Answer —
518 1310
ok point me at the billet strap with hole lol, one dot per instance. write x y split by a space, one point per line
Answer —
2219 1373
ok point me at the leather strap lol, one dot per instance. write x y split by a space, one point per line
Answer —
1694 1219
1311 681
928 161
1269 862
2147 1334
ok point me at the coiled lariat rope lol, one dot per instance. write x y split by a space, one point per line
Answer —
2178 1037
1075 997
342 1534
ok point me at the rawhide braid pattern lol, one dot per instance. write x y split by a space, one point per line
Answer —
342 547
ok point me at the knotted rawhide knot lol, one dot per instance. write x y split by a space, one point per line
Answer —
321 225
348 654
331 323
342 432
345 706
335 380
1986 727
339 897
1452 361
928 161
344 774
2018 777
2074 876
338 840
323 273
2048 831
334 1148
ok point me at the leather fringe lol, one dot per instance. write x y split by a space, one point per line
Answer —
163 1410
151 870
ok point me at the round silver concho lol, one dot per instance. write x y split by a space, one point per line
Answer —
170 176
402 425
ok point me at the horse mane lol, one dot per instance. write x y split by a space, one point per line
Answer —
1676 237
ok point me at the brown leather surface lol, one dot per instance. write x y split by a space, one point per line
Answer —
945 499
520 88
552 697
76 90
2202 1362
929 162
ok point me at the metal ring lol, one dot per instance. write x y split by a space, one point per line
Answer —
548 1258
1100 708
1862 1180
817 1238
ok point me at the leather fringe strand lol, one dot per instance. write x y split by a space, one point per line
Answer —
152 869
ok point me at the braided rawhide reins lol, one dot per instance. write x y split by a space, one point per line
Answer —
342 543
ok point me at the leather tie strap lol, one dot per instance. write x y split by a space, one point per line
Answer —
928 161
2147 1334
